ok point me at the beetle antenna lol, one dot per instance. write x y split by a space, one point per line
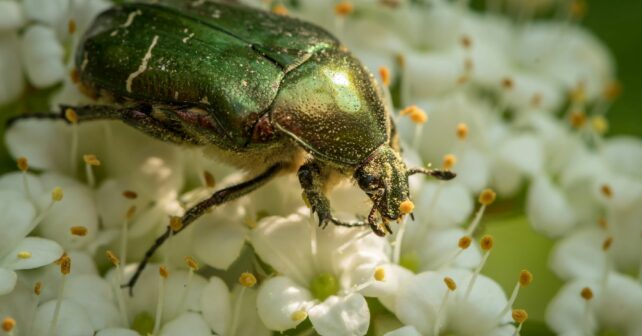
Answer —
439 174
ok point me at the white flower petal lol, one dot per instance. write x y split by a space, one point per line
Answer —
247 320
439 246
341 315
43 142
624 155
12 81
116 332
278 298
8 280
187 323
218 238
405 331
547 208
73 319
11 15
40 252
42 56
386 290
418 300
17 218
215 304
444 204
473 169
580 255
94 295
50 12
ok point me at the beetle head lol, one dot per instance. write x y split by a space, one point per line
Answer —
384 178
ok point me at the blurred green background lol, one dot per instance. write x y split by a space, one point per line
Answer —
616 22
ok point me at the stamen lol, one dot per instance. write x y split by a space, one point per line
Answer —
299 315
280 10
164 274
175 223
463 243
606 244
606 191
536 100
128 194
129 215
577 9
71 26
577 119
23 165
384 73
449 161
508 83
486 245
415 113
209 180
90 161
519 316
525 279
612 91
56 196
486 198
24 255
380 274
193 267
452 286
406 207
587 295
8 324
247 280
37 290
79 231
72 118
122 308
599 124
462 131
65 269
343 8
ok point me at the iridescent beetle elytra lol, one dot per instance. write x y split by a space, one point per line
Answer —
264 92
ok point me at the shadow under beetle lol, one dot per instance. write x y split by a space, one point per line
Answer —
267 93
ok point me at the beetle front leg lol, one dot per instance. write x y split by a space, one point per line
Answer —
312 181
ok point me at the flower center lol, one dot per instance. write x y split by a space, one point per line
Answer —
143 323
410 261
323 286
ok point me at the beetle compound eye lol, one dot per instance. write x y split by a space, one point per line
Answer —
369 182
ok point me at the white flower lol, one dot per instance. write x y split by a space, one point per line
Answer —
321 269
12 82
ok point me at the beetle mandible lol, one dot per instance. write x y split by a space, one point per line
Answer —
267 93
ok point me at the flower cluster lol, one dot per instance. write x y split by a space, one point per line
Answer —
513 106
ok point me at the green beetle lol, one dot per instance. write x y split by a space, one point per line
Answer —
265 92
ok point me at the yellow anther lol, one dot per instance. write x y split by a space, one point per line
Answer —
24 254
57 194
343 8
599 124
128 194
487 197
401 60
577 119
464 242
525 278
578 94
462 131
449 161
520 316
74 75
113 259
380 274
23 164
450 283
247 279
80 231
129 215
508 83
175 223
586 293
606 244
536 100
210 182
191 263
606 191
163 272
384 73
466 41
71 26
8 323
65 265
280 10
612 90
415 113
578 8
37 288
91 160
406 207
71 115
299 315
487 242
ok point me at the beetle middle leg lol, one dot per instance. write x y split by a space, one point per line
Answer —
218 198
311 179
